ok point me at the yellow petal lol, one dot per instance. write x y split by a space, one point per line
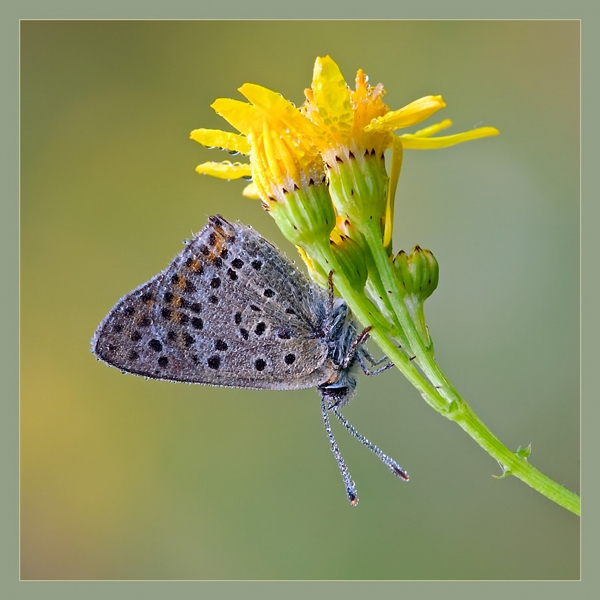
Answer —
331 96
212 138
412 113
433 129
267 99
239 114
277 108
251 191
314 270
397 154
282 154
225 170
415 142
271 168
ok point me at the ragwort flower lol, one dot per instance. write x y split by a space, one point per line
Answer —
327 155
359 127
287 173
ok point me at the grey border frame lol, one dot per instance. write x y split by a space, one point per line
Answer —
12 11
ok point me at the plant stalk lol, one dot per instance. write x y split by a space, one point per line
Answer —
434 387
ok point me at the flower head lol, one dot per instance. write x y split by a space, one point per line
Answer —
357 120
324 159
287 173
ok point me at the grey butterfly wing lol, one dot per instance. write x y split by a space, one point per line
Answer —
127 338
231 311
235 308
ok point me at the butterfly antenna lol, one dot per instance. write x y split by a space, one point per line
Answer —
392 465
350 488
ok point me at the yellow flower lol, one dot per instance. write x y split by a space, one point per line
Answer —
359 119
356 120
287 172
274 138
337 138
359 128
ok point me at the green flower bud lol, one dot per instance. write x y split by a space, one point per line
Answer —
417 274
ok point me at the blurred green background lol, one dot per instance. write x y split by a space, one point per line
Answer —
124 478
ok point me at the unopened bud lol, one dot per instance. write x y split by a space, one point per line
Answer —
418 275
417 272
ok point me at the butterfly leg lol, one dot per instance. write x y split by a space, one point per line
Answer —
358 340
372 360
350 487
362 353
394 467
331 290
356 348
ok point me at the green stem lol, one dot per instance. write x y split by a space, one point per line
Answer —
434 388
372 235
376 289
367 313
512 463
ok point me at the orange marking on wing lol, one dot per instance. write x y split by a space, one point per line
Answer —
177 300
219 238
195 265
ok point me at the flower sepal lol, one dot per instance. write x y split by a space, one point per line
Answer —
358 187
304 215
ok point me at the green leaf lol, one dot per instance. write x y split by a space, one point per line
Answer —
524 452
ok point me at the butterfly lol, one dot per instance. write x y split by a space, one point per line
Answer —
231 310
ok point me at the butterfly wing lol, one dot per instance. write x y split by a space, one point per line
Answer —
230 310
127 338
